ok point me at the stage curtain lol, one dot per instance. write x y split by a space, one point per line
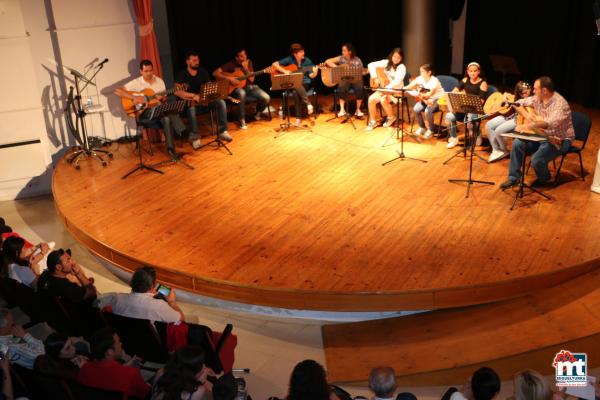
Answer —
148 46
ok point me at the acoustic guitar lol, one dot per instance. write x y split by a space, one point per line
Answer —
241 78
381 76
521 122
293 68
150 99
327 74
493 104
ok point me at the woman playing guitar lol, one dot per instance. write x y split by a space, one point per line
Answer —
389 74
348 58
504 124
428 91
297 60
472 83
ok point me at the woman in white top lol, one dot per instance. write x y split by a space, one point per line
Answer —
395 71
428 90
21 263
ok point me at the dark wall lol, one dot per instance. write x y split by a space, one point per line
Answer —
554 38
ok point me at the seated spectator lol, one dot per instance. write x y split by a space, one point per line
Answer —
308 382
226 388
141 302
184 377
483 385
106 372
21 263
58 279
531 385
382 382
23 347
61 359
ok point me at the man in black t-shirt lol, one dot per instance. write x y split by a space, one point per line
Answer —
194 76
55 280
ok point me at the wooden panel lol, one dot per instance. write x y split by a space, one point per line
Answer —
313 221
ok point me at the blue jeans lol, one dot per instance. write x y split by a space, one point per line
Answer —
495 127
191 112
164 123
451 120
252 93
429 110
543 153
301 96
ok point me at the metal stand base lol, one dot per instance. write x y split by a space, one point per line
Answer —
176 158
345 118
141 166
80 154
402 157
219 143
519 194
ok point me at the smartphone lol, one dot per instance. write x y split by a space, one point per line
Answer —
164 290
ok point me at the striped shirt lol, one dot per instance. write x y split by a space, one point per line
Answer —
23 351
556 113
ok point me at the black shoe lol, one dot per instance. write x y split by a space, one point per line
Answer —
508 184
539 184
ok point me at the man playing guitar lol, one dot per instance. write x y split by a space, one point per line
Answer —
297 58
250 91
147 80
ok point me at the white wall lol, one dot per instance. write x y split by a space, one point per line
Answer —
35 35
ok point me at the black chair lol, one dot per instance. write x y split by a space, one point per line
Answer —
75 319
582 125
19 295
47 387
82 392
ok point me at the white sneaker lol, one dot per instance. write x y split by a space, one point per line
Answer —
372 124
257 117
497 155
359 114
196 144
310 108
478 141
243 124
389 122
341 113
298 122
419 131
452 141
428 134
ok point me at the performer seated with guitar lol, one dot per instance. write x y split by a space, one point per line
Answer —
244 89
472 83
133 91
427 91
505 123
388 74
348 58
195 76
550 115
296 61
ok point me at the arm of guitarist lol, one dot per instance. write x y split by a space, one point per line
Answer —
185 95
333 61
122 92
277 66
219 74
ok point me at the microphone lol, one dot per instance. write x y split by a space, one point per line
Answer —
510 103
102 63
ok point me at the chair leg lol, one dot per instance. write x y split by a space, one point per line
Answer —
559 167
581 166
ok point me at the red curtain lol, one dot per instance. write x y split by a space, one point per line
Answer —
149 48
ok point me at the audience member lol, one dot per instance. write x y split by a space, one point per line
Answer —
21 263
225 388
309 382
531 385
23 347
65 278
61 359
382 382
6 389
483 385
141 302
184 377
106 372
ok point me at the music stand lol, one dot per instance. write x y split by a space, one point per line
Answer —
140 166
504 65
522 184
399 95
468 104
349 75
287 83
210 92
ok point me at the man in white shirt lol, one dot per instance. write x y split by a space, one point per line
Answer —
147 80
22 347
141 302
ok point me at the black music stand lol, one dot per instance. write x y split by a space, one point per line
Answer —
138 144
210 92
399 95
467 103
164 109
522 185
287 83
349 75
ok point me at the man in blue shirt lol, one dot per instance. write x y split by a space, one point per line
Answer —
310 71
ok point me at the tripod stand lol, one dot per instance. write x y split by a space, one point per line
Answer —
288 83
345 75
160 111
78 129
399 95
466 103
210 92
140 166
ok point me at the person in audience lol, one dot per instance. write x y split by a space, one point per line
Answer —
531 385
105 370
309 382
23 347
21 263
65 278
184 377
226 388
6 389
141 302
382 382
483 385
61 359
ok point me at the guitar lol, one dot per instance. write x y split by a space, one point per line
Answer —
327 74
493 104
133 109
418 91
293 68
241 78
381 76
521 122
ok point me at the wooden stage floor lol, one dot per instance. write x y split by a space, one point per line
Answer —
312 220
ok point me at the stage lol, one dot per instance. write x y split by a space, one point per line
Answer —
313 221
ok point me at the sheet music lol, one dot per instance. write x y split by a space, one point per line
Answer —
525 136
